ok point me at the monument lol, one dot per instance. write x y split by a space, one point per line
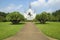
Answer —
30 14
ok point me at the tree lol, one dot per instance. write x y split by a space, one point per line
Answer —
3 16
56 14
15 17
43 17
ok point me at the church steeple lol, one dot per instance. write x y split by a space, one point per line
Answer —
30 6
30 14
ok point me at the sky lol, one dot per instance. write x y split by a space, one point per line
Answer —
23 5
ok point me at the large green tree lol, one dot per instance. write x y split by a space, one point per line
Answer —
15 17
43 17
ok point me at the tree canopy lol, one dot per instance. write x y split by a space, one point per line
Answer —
43 17
15 17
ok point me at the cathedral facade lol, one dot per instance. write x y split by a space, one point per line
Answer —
30 14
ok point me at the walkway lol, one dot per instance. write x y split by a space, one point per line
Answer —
29 32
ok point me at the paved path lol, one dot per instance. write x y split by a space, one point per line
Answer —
29 32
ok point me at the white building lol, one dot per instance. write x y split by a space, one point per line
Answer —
30 14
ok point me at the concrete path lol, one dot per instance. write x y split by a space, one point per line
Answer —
29 32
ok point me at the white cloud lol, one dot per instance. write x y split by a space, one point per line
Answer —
46 5
11 8
35 3
38 3
42 1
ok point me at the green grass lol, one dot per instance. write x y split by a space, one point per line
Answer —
7 29
51 29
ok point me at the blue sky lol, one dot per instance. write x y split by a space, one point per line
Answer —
23 5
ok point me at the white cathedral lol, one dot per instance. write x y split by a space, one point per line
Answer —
30 14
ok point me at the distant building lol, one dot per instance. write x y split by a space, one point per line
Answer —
30 14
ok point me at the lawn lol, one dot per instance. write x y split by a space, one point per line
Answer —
51 29
7 29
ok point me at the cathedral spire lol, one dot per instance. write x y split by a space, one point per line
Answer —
30 6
